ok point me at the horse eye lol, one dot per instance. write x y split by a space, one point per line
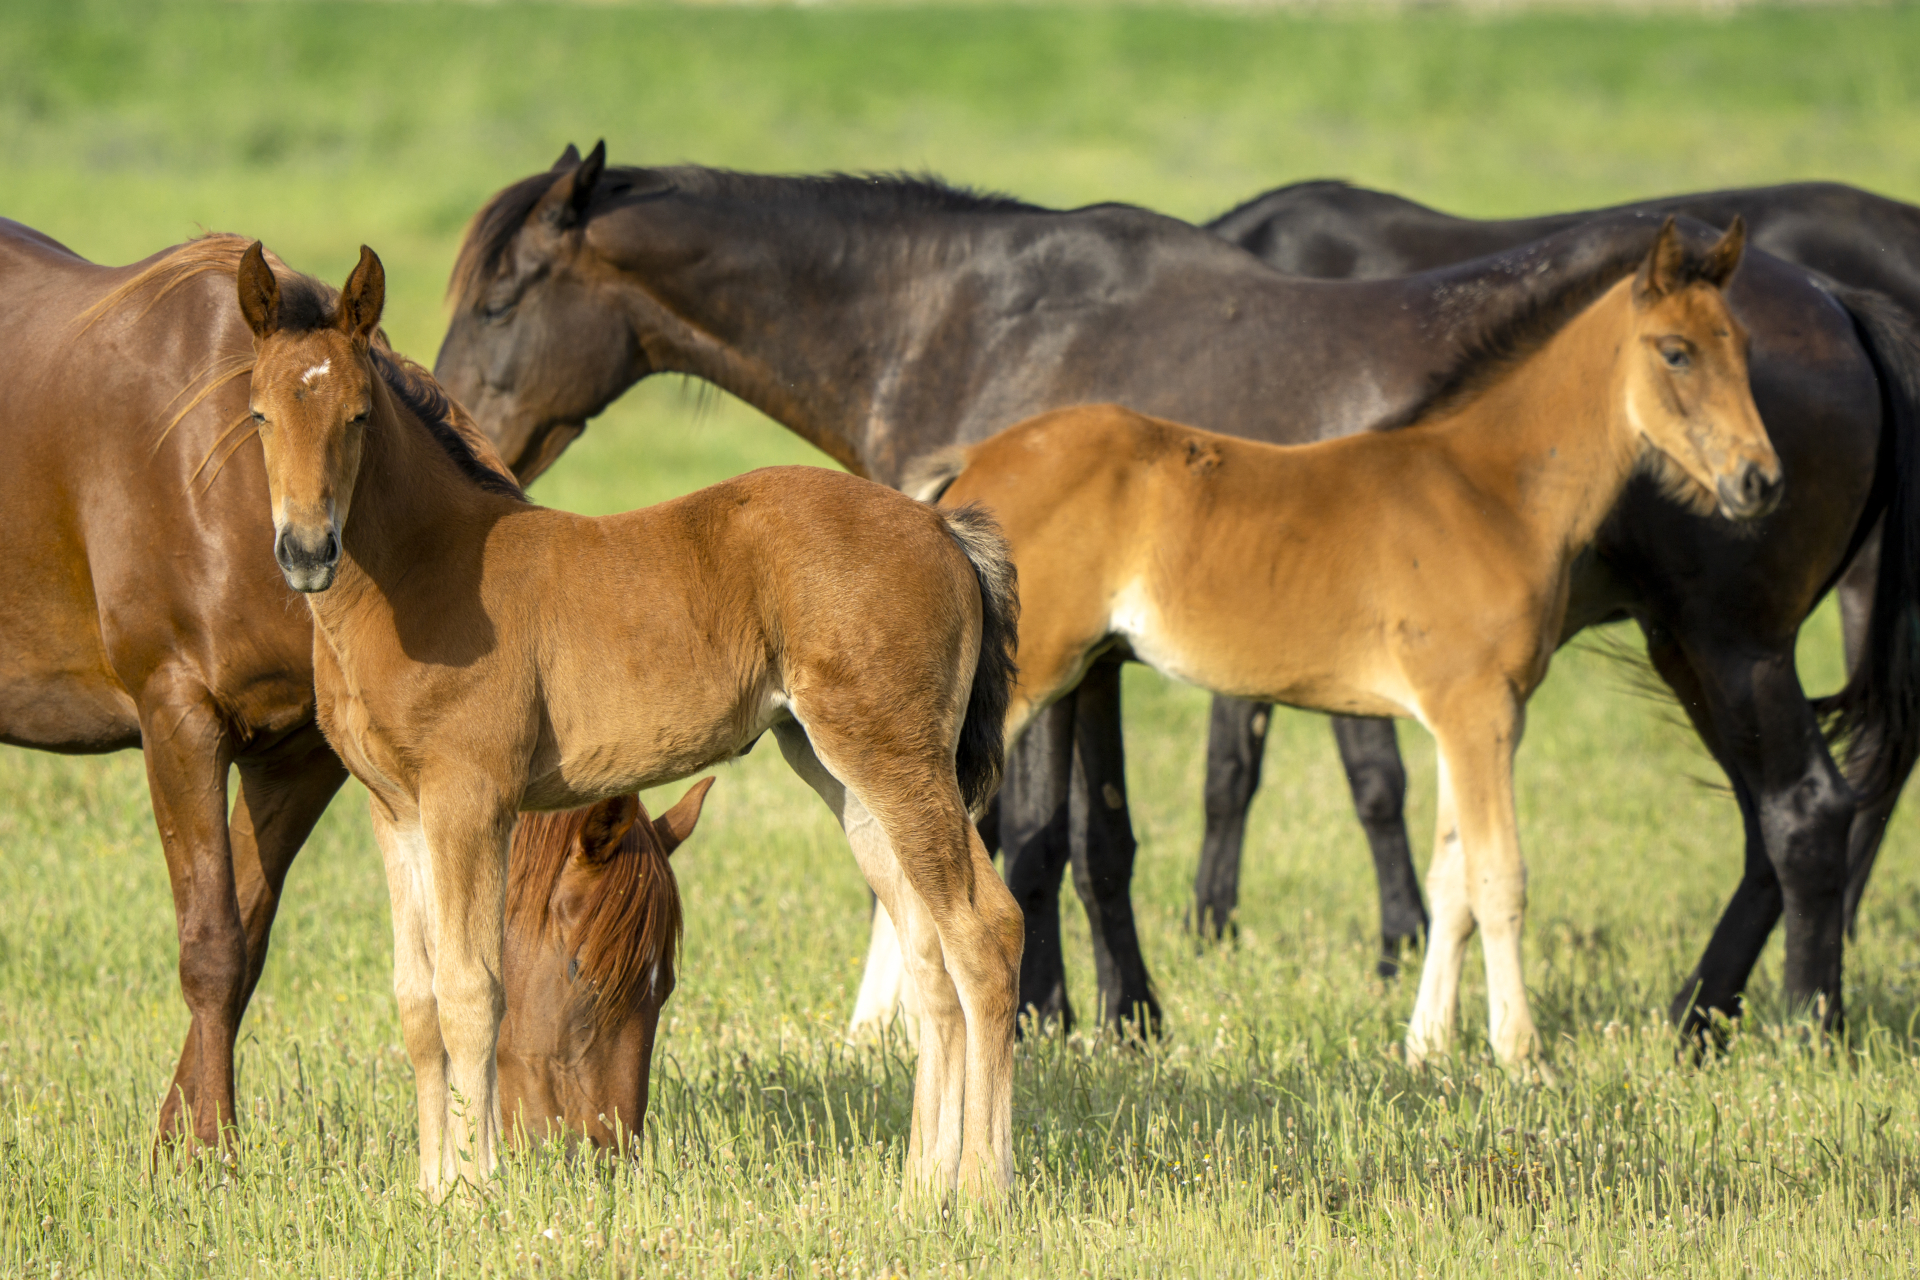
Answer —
259 417
1676 357
495 312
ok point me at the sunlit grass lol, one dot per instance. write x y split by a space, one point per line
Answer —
1273 1131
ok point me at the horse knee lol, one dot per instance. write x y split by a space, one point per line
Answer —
1379 794
1806 827
213 963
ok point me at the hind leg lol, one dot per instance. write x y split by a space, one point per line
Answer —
960 936
1430 1030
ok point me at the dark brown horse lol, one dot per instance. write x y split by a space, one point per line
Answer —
1337 231
593 930
888 319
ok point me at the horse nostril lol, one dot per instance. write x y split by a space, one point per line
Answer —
330 550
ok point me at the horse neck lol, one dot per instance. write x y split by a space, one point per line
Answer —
1551 439
412 513
802 317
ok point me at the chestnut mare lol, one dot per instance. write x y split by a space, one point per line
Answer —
889 319
140 607
593 928
1423 572
455 677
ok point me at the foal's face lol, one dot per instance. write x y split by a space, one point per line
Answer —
312 395
569 1065
1686 367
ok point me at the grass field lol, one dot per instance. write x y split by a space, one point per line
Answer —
1272 1132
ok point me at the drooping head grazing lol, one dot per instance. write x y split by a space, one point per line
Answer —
312 395
1686 393
593 926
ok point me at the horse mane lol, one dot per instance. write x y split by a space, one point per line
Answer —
307 304
462 441
631 920
871 194
1505 337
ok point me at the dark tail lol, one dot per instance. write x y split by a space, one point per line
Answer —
983 745
1877 714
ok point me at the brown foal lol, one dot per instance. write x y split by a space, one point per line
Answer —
459 677
593 928
1421 572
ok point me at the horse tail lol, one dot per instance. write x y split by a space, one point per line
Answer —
1877 712
982 749
930 477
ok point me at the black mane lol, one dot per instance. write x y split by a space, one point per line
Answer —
415 388
885 195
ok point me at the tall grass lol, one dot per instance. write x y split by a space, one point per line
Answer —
1273 1131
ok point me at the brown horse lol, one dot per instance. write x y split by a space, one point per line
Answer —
139 606
1423 572
593 925
871 633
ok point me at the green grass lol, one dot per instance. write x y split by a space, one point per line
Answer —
1273 1132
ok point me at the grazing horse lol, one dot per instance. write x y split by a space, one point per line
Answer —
1423 572
454 676
593 926
1333 230
887 320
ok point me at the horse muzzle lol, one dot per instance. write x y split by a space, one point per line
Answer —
1752 492
308 558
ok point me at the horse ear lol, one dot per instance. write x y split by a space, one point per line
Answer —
566 204
364 297
1724 257
259 293
568 158
1659 275
606 826
676 824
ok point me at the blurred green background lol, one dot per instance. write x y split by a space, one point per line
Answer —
317 126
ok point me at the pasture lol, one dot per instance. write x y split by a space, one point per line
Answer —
1273 1130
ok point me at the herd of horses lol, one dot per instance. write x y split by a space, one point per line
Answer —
1335 451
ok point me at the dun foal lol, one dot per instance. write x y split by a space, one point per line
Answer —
476 655
593 928
1421 572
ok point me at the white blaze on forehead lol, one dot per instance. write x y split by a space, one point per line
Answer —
307 378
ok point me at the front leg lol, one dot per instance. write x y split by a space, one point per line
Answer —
1477 733
468 838
403 849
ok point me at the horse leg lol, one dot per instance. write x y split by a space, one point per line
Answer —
882 986
1477 735
1102 849
467 841
1798 810
961 948
187 753
1855 594
280 798
403 850
1430 1029
1034 851
1370 750
1236 742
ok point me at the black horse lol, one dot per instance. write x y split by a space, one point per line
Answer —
886 318
1332 230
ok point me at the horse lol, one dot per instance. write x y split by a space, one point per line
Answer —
887 319
137 609
143 610
1422 572
452 674
593 928
1334 230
